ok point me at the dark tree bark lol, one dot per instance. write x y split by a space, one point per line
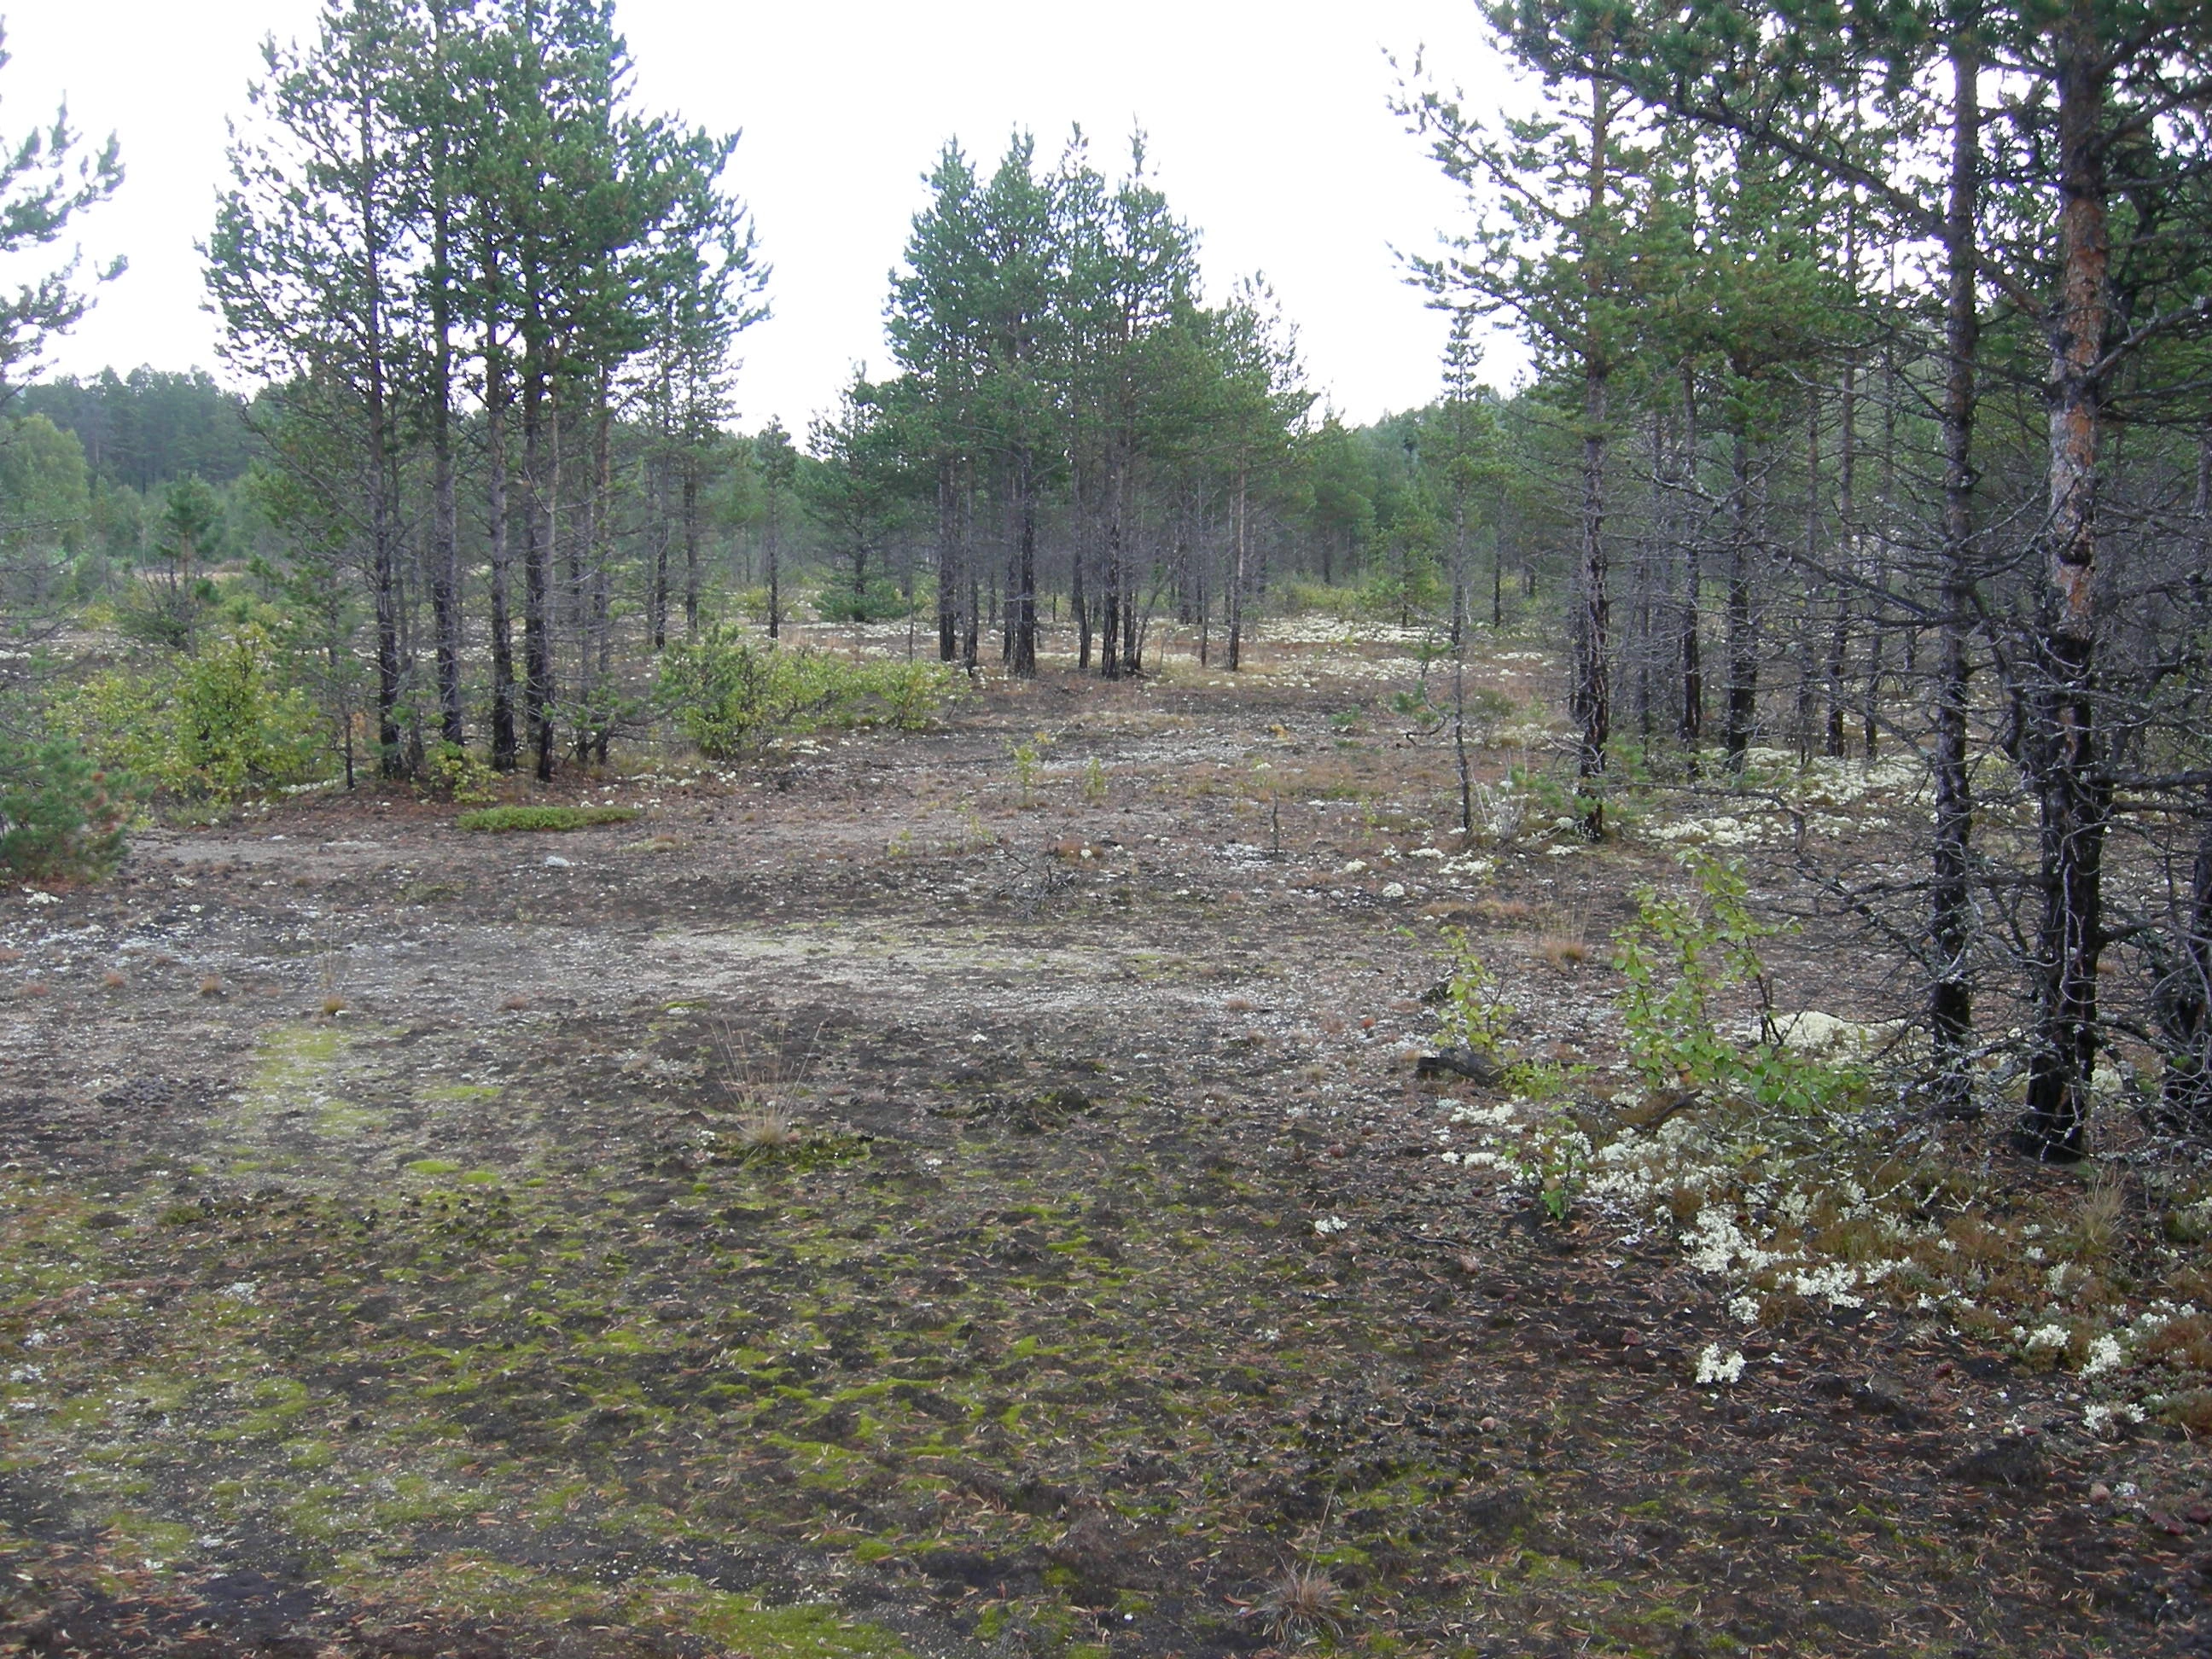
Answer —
505 749
1690 730
1741 706
1591 704
1021 601
1950 916
2072 798
948 561
445 539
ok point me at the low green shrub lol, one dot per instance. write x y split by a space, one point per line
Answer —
452 771
507 820
1310 599
61 816
216 725
879 601
1684 961
730 693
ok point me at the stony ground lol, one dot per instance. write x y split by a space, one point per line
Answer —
394 1265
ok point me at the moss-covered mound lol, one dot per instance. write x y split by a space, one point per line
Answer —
503 820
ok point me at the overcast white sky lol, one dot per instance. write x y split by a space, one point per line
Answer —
1268 121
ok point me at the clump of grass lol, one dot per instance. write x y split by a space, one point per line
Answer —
1509 913
114 980
333 1006
2096 1224
512 1005
754 1085
1564 940
769 1127
211 986
509 820
1301 1601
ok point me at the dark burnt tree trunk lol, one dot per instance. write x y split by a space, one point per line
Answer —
1950 914
1740 709
2063 762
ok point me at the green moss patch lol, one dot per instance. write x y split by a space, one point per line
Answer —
508 820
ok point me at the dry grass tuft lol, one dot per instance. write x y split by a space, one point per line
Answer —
114 980
1563 940
1300 1601
512 1005
752 1086
211 986
2096 1224
1509 913
333 1006
769 1127
36 987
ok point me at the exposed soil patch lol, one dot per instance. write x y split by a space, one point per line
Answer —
396 1261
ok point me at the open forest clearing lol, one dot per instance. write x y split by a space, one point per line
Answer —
897 1196
1084 963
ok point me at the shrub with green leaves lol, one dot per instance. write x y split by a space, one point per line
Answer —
731 693
216 725
452 771
237 729
61 816
1686 958
1475 1015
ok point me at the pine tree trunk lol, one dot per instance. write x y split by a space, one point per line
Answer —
1950 920
505 748
1847 522
1022 601
2184 998
2071 796
536 585
1109 578
656 603
948 563
691 572
1237 575
772 560
1592 702
1741 711
444 517
1690 642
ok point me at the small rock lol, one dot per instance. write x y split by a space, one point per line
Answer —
2100 1493
554 861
